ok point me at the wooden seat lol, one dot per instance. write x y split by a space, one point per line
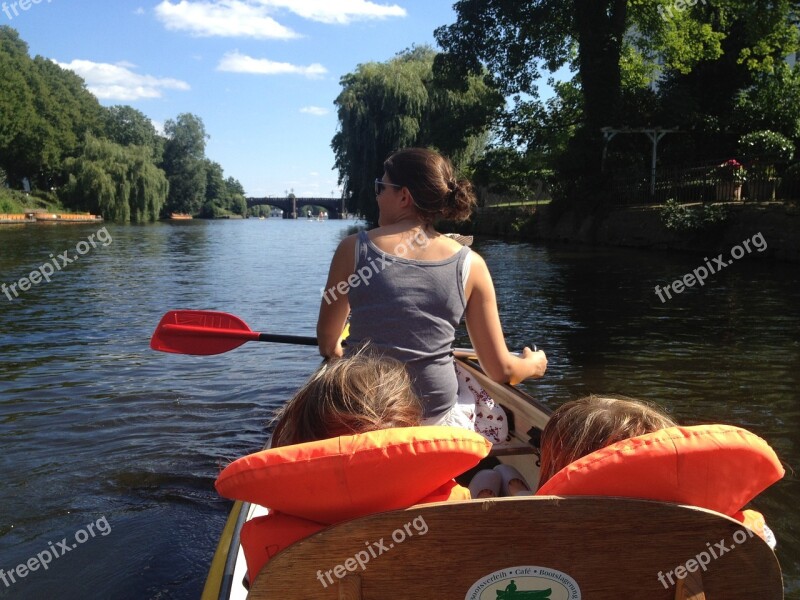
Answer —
506 548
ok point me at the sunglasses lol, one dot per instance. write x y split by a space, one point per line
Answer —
380 185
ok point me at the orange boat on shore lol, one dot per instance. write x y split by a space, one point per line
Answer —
6 218
36 217
66 218
179 217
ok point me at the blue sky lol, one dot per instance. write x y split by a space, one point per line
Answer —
262 74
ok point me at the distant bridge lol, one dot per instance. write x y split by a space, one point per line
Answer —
290 205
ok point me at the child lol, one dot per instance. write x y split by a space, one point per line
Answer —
407 287
580 427
316 473
651 470
575 429
344 397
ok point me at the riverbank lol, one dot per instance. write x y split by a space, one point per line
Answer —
644 227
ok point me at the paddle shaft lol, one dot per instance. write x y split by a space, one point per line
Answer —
238 334
254 336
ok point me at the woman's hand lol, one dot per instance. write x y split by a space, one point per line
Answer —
534 364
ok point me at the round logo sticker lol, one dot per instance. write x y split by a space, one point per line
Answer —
525 583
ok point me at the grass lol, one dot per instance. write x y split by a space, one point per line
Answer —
14 201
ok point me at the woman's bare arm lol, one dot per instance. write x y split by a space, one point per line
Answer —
335 305
486 333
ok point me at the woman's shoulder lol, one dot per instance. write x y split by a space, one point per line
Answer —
349 241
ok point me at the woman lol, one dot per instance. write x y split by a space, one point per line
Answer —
408 286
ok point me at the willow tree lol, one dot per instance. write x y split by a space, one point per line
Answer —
121 183
387 106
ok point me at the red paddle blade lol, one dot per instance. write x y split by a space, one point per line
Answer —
200 332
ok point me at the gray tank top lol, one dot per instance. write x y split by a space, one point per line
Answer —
409 310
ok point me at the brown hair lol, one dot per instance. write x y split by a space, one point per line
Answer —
431 179
580 427
360 393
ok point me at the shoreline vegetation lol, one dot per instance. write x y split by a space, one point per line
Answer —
71 154
649 227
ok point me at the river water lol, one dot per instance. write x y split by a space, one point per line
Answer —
109 450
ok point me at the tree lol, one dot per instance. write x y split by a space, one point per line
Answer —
699 53
45 113
237 200
17 114
772 102
121 183
184 163
397 104
515 39
126 126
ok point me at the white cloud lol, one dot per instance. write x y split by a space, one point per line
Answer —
159 125
119 82
139 11
317 111
340 12
254 18
234 62
224 18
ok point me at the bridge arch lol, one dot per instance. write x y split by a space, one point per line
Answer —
291 205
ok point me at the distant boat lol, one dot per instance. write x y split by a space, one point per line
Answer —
179 216
6 218
65 217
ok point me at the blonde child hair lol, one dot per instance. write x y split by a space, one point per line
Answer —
580 427
360 393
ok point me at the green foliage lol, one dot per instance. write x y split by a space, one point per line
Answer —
185 163
772 102
517 41
45 112
386 106
54 132
121 183
638 63
766 146
223 196
126 126
682 218
670 39
507 171
10 201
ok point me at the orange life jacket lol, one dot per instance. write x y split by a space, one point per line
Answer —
312 485
263 537
719 467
